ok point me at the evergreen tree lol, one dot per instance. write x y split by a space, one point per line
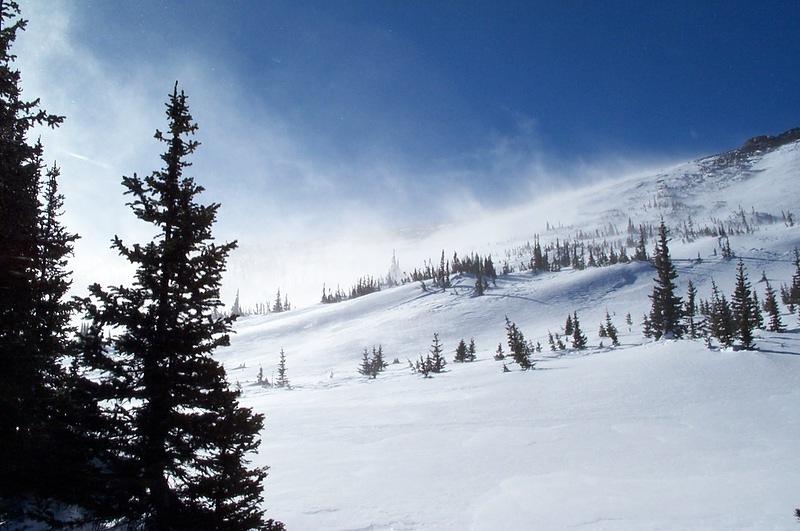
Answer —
771 307
479 291
601 332
43 456
437 362
282 380
640 255
629 321
366 365
611 331
793 293
743 308
236 310
471 350
499 354
568 326
177 458
551 341
666 309
461 352
757 319
721 322
690 310
277 306
424 366
518 347
560 344
647 328
578 338
378 362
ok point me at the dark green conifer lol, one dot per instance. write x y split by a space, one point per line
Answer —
437 362
666 309
690 310
499 354
518 346
579 340
461 352
743 308
177 454
42 456
568 326
771 307
611 330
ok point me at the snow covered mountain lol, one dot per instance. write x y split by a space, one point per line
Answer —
648 435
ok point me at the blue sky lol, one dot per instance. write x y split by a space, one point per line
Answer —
332 119
431 81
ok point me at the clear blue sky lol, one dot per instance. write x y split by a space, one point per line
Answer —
430 80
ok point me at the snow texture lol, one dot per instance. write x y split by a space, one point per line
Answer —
649 435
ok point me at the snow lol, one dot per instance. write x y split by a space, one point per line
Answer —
649 435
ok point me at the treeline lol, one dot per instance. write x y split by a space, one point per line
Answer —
278 305
730 322
129 423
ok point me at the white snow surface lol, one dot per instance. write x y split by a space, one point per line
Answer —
648 435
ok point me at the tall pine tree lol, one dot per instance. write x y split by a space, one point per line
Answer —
666 309
41 456
771 307
179 436
742 306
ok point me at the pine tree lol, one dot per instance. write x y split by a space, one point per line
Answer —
282 380
437 359
629 321
471 350
721 322
666 310
518 347
757 319
479 290
647 328
568 326
277 306
560 344
366 365
236 310
793 293
378 363
461 352
640 255
601 332
551 341
42 454
499 355
579 340
611 331
690 310
177 458
743 308
771 307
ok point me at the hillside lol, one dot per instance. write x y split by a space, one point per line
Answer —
648 435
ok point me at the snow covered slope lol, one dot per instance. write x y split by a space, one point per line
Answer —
665 435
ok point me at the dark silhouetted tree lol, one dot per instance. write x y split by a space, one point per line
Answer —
179 436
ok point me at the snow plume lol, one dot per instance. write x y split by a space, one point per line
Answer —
302 218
